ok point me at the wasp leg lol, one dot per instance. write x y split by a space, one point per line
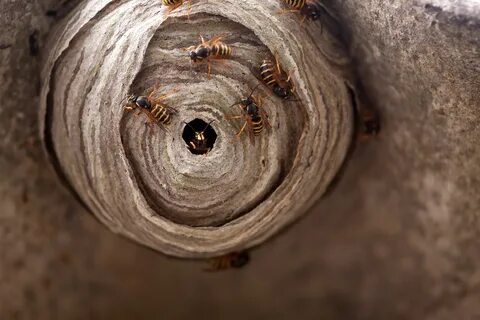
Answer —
170 9
277 63
260 102
303 20
292 84
241 130
209 69
150 117
189 48
151 120
289 76
234 117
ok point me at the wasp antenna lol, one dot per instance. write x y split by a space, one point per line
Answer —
233 105
208 125
254 90
125 98
188 124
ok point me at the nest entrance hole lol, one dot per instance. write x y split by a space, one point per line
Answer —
199 136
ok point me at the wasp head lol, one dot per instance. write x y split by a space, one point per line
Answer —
198 54
131 102
193 55
131 99
247 101
311 11
199 136
281 92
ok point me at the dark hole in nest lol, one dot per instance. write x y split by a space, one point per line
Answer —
199 136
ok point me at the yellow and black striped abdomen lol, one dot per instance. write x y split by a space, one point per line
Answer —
257 126
231 260
267 71
221 50
296 4
161 113
220 263
172 2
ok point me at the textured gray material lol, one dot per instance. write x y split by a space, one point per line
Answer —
396 239
143 182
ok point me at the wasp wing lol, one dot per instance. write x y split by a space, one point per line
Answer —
264 116
251 134
215 40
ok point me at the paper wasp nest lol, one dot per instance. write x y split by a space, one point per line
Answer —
143 182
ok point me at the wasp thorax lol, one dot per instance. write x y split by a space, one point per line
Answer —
199 136
252 108
143 102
